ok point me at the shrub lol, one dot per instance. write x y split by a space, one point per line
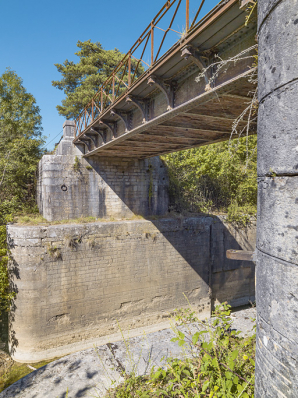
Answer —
219 177
221 366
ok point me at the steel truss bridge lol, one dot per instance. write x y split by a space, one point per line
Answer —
187 97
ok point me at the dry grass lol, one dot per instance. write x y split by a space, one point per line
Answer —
11 371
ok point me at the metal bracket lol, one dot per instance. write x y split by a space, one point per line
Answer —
85 142
110 126
140 103
123 117
167 89
190 51
101 133
90 134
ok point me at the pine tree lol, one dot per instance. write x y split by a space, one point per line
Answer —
80 81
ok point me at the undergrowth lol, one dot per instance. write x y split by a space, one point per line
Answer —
221 177
221 364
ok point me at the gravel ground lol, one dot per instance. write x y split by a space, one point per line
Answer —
91 372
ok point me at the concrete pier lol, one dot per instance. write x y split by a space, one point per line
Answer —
277 228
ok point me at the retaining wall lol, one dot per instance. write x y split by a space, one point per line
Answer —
77 283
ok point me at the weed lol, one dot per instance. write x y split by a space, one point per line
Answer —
91 243
71 242
54 252
90 168
221 365
136 217
272 173
76 165
31 219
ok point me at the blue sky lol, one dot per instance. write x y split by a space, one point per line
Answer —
36 34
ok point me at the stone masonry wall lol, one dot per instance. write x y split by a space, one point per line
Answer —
70 186
77 283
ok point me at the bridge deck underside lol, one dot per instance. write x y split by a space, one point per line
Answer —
207 119
185 99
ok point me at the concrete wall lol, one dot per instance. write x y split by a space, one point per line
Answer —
74 283
100 187
277 240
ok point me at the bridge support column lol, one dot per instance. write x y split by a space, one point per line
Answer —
70 186
277 230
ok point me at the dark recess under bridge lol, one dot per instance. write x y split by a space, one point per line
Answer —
166 109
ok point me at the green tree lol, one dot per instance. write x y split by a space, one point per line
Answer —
20 150
81 80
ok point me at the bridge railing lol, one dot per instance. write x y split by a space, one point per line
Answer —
131 67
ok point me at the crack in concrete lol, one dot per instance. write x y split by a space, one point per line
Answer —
284 262
278 88
113 347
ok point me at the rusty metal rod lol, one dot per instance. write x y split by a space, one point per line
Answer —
152 43
129 70
187 16
166 32
197 14
124 69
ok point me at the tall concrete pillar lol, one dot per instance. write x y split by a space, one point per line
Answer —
277 229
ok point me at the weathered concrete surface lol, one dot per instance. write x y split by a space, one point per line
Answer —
75 282
70 186
277 136
91 372
277 229
278 216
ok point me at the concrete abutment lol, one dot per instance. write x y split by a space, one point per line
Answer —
70 186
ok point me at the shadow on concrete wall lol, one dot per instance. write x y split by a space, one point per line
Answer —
141 186
228 280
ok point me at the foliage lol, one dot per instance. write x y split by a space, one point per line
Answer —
76 165
222 364
20 150
81 80
20 142
217 177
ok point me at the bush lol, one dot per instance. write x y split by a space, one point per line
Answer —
220 177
